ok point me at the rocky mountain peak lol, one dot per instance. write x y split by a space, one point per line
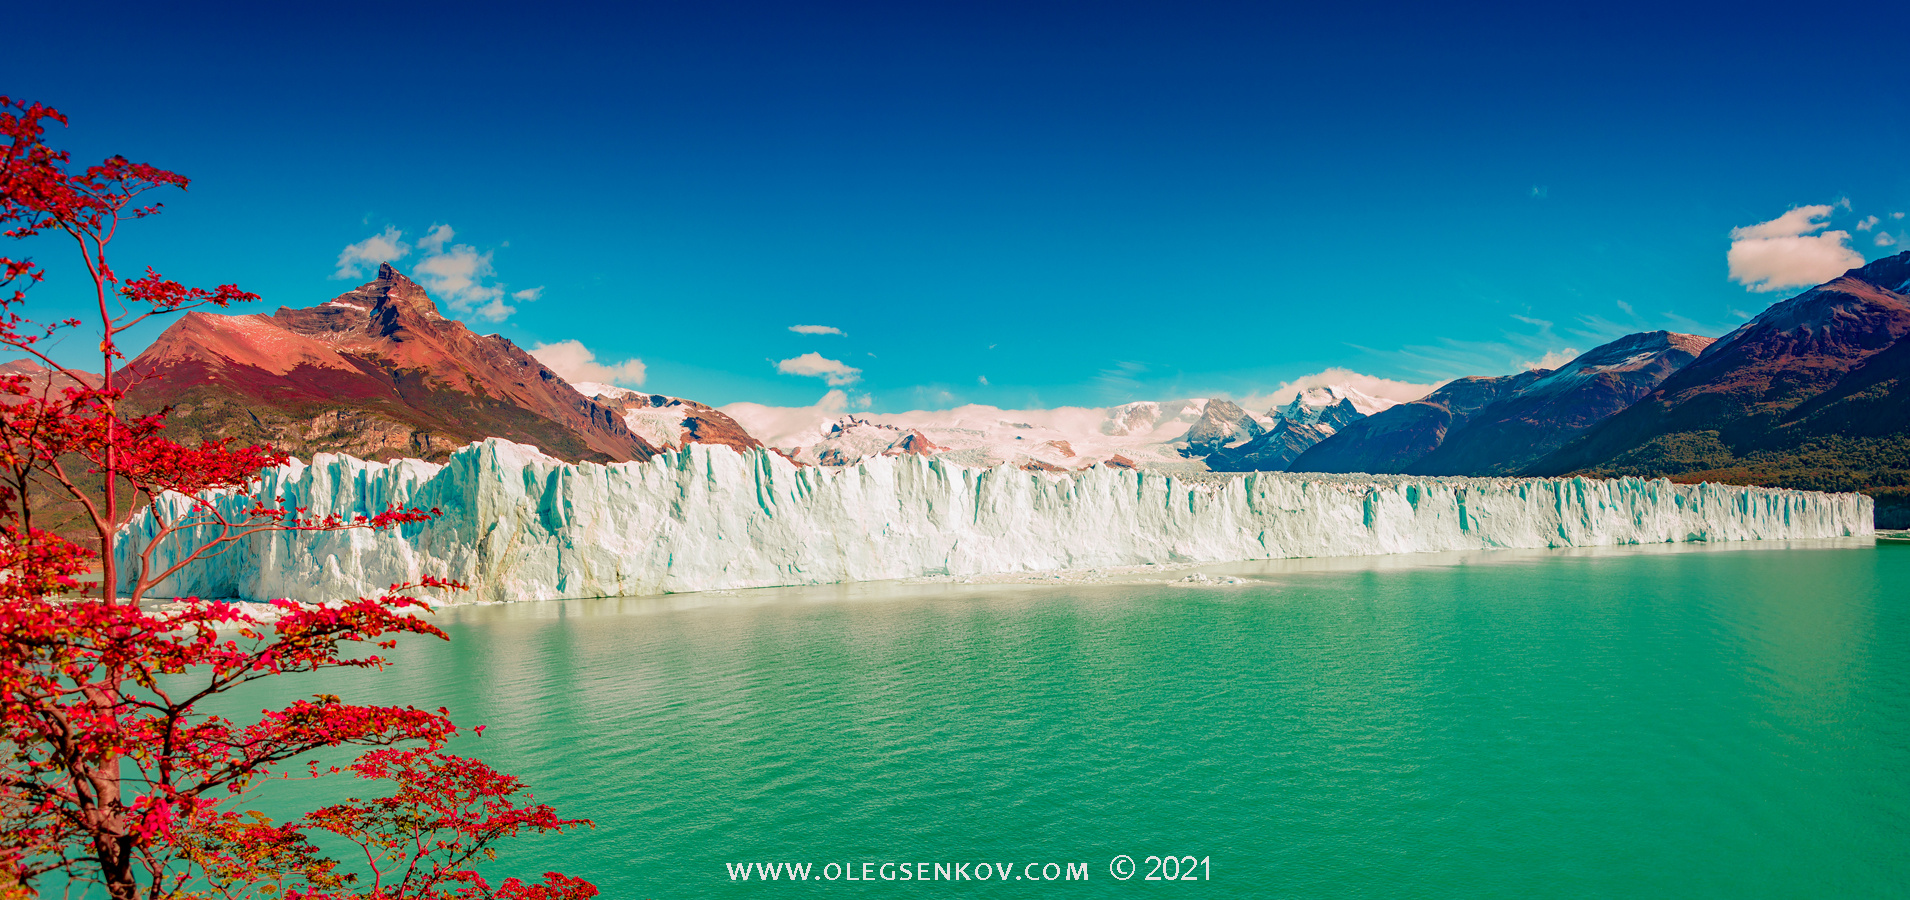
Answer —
385 369
394 295
1892 273
1221 423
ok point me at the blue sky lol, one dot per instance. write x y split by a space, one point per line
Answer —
1021 204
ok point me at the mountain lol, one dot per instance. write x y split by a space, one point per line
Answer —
1399 436
1144 434
1498 426
1515 432
1179 436
40 380
1335 406
1273 450
1814 392
670 422
376 372
1314 415
1222 423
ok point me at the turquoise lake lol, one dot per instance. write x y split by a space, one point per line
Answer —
1709 721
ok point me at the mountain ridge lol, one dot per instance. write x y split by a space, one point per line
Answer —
378 372
1812 392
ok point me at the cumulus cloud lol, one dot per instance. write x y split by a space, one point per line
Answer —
790 427
458 274
815 329
1788 252
1372 386
455 274
816 365
1867 223
356 259
435 239
1551 360
1885 240
576 363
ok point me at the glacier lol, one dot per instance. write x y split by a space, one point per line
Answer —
519 525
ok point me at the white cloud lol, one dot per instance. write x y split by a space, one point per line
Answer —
1551 360
815 329
1784 252
1867 223
494 311
1896 215
458 274
983 379
1383 388
818 366
575 362
355 259
789 427
435 239
455 274
1885 240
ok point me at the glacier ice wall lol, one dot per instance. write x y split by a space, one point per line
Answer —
518 525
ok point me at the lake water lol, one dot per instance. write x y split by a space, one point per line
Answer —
1723 721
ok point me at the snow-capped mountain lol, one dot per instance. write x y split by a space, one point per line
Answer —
669 422
1334 406
1160 435
1147 434
1222 424
1313 415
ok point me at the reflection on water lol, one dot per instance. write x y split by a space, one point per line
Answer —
1676 721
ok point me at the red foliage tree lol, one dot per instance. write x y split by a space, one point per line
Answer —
112 770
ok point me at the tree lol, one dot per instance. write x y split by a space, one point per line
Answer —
113 772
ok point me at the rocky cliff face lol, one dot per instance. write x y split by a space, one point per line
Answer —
377 372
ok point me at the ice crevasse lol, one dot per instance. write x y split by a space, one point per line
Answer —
519 525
